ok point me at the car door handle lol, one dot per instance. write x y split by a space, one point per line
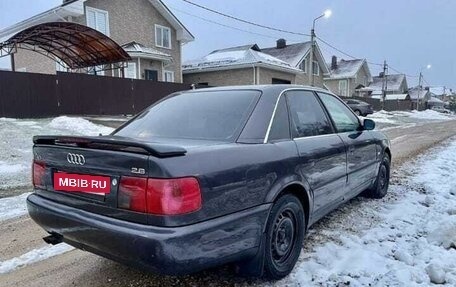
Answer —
351 149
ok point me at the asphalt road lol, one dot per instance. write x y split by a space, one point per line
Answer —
78 268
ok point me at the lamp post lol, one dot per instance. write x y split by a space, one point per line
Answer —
326 14
420 87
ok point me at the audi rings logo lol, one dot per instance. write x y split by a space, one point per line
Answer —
74 158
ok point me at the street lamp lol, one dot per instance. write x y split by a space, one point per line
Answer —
420 88
326 14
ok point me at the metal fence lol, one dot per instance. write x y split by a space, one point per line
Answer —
29 95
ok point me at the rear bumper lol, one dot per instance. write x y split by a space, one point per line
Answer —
176 250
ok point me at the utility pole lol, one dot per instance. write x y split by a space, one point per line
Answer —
326 14
385 83
420 89
420 85
312 48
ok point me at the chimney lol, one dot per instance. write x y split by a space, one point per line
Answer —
281 43
333 63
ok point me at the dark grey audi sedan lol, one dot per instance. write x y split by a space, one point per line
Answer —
208 177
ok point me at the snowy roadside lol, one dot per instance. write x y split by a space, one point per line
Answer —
404 239
386 120
16 144
34 256
11 207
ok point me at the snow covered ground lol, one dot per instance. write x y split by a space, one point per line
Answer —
405 239
33 256
11 207
16 144
386 119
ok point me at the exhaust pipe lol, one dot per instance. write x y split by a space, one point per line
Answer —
53 239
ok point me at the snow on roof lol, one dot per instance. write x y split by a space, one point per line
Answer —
291 53
135 49
346 68
435 100
241 55
440 91
417 93
393 82
237 48
294 53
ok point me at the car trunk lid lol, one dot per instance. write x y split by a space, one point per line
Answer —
103 159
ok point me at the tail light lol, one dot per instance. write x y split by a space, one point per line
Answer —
159 196
132 193
173 196
38 172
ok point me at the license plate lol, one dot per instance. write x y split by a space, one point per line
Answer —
82 183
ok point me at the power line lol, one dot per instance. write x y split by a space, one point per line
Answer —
223 25
372 63
245 21
273 29
397 71
337 49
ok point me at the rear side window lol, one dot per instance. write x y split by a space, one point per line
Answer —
206 115
343 117
280 129
307 117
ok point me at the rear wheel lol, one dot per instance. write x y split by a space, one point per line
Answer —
284 236
380 187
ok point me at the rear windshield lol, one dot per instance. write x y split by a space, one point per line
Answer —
207 115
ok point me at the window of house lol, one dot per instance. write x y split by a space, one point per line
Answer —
130 71
303 66
343 85
162 37
98 20
344 119
276 81
315 68
168 76
307 116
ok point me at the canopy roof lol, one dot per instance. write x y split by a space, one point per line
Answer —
76 45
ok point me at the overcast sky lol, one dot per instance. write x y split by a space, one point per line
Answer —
408 34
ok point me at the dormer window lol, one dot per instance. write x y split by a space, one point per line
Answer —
316 68
303 66
162 37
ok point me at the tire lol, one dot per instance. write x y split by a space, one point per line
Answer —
380 187
285 232
358 113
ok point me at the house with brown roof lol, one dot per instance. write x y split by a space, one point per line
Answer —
252 65
150 33
347 77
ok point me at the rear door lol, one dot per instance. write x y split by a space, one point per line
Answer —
322 156
361 147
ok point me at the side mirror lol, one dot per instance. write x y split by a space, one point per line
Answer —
368 124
